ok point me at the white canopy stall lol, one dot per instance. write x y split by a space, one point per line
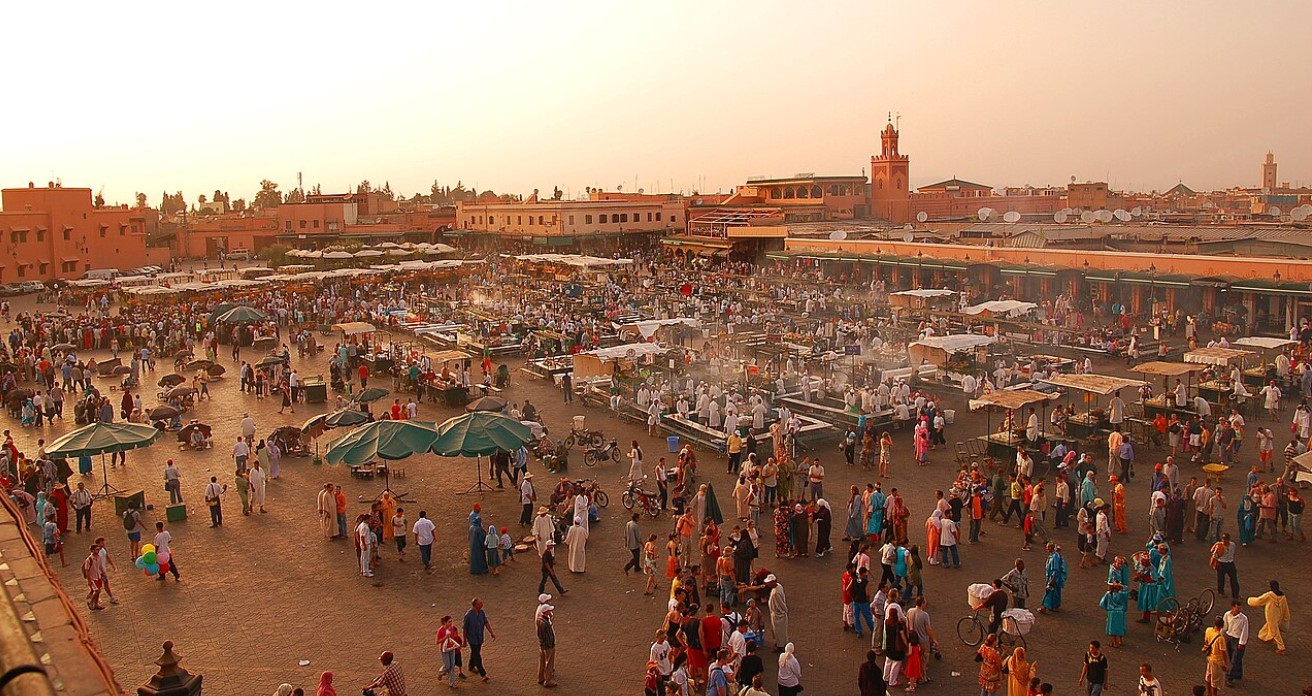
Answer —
602 362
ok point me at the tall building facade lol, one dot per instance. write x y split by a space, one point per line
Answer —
54 233
890 170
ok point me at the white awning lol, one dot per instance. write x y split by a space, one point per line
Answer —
1264 342
1010 308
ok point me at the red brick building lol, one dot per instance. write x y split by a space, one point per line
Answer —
52 232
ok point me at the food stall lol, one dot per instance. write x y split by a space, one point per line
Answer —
1224 358
1164 401
917 303
1269 348
1007 441
954 355
1080 426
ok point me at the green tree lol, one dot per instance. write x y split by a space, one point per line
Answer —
364 187
202 199
295 195
268 197
141 200
557 194
239 205
275 254
386 191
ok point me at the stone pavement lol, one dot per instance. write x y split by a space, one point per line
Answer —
266 591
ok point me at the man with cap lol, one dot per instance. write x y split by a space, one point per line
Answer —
392 677
527 496
549 568
546 641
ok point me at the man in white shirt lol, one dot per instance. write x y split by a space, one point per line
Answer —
240 453
364 540
81 502
1236 640
248 427
660 654
1116 410
214 499
163 553
423 530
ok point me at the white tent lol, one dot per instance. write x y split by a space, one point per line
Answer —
1264 342
601 362
1009 308
937 349
648 328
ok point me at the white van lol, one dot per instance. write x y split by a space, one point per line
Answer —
101 274
239 255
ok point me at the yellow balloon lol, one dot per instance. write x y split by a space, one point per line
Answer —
147 548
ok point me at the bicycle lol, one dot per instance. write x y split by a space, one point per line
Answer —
1176 624
972 629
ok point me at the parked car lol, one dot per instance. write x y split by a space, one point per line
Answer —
24 288
239 255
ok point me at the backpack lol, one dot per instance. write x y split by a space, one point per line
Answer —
128 523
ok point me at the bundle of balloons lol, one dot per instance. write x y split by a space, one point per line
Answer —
152 562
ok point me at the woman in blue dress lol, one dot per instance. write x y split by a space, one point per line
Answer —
1055 574
1115 601
477 542
1165 573
1145 572
875 521
856 511
1247 520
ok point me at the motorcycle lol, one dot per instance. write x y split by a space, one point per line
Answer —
634 495
593 490
597 454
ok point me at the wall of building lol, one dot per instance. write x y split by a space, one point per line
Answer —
52 232
566 218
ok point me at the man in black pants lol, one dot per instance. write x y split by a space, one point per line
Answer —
549 569
1223 559
475 624
567 384
633 542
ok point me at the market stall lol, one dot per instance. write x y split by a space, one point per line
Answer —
1080 426
954 355
1009 439
622 359
1224 358
1164 402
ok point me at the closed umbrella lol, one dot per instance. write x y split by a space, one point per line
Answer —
477 434
62 346
99 438
242 315
215 370
265 341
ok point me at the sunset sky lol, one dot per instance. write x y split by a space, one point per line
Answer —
682 94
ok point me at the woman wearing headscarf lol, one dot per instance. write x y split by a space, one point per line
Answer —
855 516
933 525
41 505
59 500
1054 572
1115 602
1175 511
1247 520
1019 673
275 457
824 524
790 673
990 666
783 546
283 690
577 539
477 542
875 516
1275 609
326 685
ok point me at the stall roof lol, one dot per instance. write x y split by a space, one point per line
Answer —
442 356
955 343
925 292
1264 342
1010 308
1009 399
1098 384
353 328
649 327
1216 355
628 350
1166 369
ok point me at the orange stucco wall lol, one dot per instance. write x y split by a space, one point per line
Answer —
52 232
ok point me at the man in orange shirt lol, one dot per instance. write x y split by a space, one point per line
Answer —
340 498
364 376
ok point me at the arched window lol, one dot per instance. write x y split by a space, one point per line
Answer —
817 192
897 183
879 183
788 192
774 192
803 191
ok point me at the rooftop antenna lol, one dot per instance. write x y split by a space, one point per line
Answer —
897 124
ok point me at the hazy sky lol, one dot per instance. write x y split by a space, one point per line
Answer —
517 96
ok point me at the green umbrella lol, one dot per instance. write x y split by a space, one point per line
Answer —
480 433
345 418
477 434
371 394
99 438
386 439
242 315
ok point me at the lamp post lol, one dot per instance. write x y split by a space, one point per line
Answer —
1152 289
920 269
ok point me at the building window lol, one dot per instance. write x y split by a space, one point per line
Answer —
774 192
66 239
587 219
803 191
22 270
316 224
624 217
816 192
45 267
40 235
571 219
648 217
539 219
674 218
658 217
788 192
102 232
301 224
603 219
122 231
519 219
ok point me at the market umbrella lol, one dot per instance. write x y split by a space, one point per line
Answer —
62 346
477 434
200 364
184 435
270 361
315 424
122 370
345 418
389 440
215 370
179 392
242 315
265 341
184 353
163 413
371 394
494 404
171 380
99 438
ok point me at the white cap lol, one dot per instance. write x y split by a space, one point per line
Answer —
770 578
544 598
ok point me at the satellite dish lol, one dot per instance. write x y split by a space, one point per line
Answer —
1122 215
641 191
1011 216
1077 211
1207 205
908 237
908 226
1104 216
1137 211
1060 216
1273 211
838 235
922 216
1299 214
1087 216
985 213
1066 211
